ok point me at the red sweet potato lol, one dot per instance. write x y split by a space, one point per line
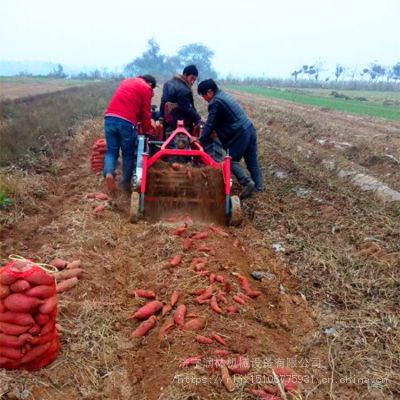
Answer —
198 292
241 366
69 273
200 235
166 327
17 318
244 297
166 309
221 297
204 248
175 260
200 300
146 294
20 286
180 231
10 341
218 338
45 338
47 328
39 277
35 330
179 315
232 309
214 305
148 310
102 196
67 284
220 278
212 278
174 297
195 324
41 291
59 263
49 305
203 339
2 307
200 267
187 244
245 285
221 353
74 264
144 327
188 220
4 291
18 302
218 230
239 300
35 352
191 361
207 294
7 279
10 353
13 329
176 166
42 319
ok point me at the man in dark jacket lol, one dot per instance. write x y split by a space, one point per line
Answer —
177 101
130 104
236 133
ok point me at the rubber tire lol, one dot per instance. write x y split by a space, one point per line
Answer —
134 207
236 216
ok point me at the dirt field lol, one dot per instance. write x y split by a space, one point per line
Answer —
328 307
13 88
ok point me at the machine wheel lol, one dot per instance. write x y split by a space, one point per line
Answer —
134 207
236 213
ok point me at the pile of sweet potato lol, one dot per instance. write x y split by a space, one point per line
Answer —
28 310
97 157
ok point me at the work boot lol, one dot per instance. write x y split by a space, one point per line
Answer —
110 183
247 190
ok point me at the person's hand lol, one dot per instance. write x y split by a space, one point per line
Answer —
194 139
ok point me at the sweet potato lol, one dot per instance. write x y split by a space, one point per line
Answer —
198 292
39 277
244 297
188 220
187 244
49 305
7 279
148 310
20 285
17 318
166 309
67 284
4 291
174 297
218 338
18 302
221 297
59 263
176 166
204 248
200 235
41 291
175 260
202 273
42 319
262 395
10 341
200 266
35 330
200 300
203 339
218 231
191 361
195 324
212 278
2 307
191 315
74 264
69 273
146 294
245 285
35 352
232 309
144 327
45 338
179 315
226 379
239 300
102 196
13 329
220 278
180 231
221 353
241 366
47 328
208 293
214 305
10 353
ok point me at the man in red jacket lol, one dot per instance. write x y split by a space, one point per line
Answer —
130 105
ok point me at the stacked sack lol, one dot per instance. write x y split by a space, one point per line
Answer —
28 311
98 153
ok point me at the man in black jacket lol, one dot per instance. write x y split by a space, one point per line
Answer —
236 133
177 101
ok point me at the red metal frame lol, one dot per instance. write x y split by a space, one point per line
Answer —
198 151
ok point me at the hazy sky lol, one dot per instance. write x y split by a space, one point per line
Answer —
249 37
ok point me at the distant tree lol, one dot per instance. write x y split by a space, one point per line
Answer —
58 72
295 73
151 61
338 71
201 56
396 71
